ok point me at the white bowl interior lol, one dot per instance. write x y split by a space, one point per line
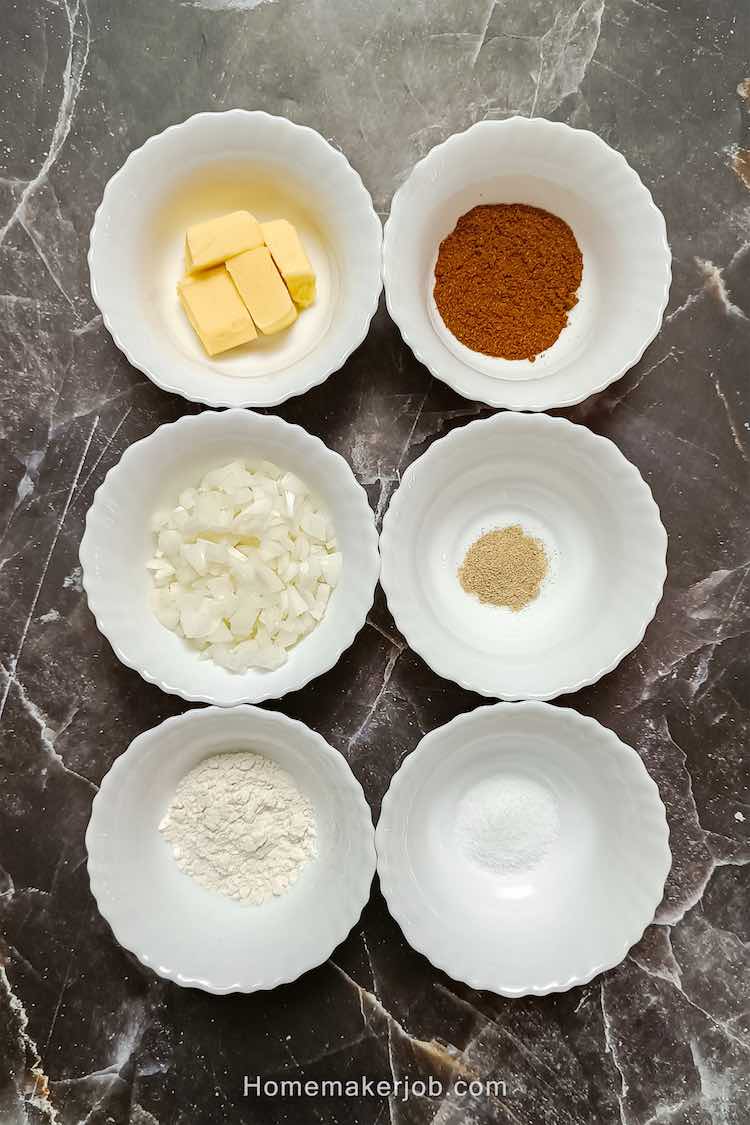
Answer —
620 232
189 933
545 924
119 542
211 164
602 537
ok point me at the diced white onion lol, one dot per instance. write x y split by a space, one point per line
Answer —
244 565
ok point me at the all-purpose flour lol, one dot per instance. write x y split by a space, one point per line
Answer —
239 826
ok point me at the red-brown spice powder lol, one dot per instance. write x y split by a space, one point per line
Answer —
506 278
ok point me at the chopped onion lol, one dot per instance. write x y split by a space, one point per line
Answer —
244 565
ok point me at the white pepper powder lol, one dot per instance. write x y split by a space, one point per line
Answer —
504 567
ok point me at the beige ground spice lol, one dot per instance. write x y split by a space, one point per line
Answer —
504 567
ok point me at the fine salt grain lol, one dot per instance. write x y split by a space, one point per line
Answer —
506 824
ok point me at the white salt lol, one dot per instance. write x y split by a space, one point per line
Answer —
507 824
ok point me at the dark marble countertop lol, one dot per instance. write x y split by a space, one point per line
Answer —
87 1036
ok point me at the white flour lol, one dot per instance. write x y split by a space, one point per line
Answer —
506 824
239 826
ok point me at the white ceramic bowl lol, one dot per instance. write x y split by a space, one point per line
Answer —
545 924
208 165
621 233
118 542
602 534
189 934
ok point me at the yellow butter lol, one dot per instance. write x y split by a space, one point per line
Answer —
215 310
261 288
208 244
292 262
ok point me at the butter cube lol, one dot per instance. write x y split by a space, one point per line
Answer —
261 288
208 244
215 310
292 262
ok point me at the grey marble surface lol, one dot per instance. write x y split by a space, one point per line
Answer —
86 1035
